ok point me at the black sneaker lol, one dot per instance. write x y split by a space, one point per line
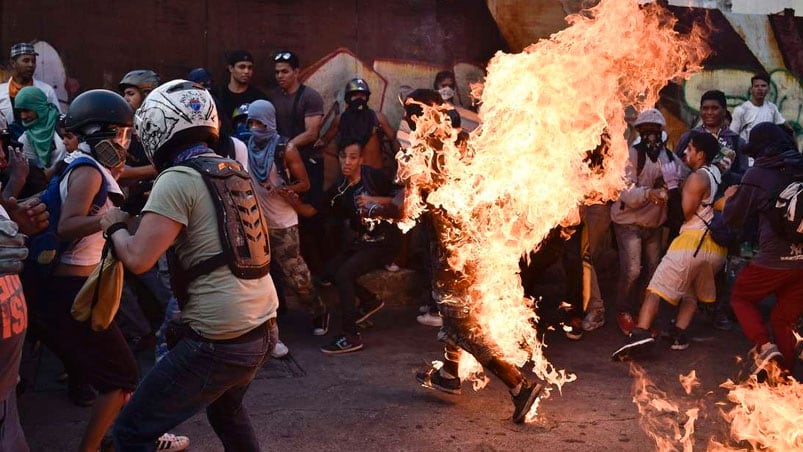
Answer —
432 379
343 344
320 324
680 341
639 339
524 400
368 307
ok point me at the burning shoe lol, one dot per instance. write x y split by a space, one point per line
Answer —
639 340
343 344
523 401
320 324
369 307
573 329
432 379
626 322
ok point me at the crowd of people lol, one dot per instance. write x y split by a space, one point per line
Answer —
213 198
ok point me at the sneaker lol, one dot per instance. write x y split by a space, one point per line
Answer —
763 358
279 350
524 400
369 307
320 324
573 329
432 379
638 340
392 267
430 319
680 341
81 394
722 322
172 443
594 319
343 344
626 322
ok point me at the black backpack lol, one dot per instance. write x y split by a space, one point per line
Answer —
786 210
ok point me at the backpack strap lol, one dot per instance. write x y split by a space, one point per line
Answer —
278 160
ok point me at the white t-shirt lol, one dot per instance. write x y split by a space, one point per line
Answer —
748 115
87 250
30 153
278 212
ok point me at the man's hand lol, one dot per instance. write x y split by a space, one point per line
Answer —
113 215
12 247
657 196
31 214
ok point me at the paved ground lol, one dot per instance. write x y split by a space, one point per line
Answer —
370 401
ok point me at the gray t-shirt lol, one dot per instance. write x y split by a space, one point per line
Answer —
290 123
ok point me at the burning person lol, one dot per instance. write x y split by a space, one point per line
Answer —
455 292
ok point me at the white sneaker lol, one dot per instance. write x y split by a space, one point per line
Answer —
279 350
430 319
172 443
392 267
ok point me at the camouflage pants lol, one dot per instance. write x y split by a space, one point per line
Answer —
284 248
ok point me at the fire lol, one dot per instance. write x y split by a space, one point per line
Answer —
661 418
526 169
689 382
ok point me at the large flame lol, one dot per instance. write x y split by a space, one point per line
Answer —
527 169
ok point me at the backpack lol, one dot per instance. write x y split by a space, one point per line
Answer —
786 211
242 228
45 248
721 233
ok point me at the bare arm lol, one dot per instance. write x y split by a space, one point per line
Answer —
139 252
137 173
389 132
292 159
694 191
330 134
82 187
312 125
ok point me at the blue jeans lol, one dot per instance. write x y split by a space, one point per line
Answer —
639 252
194 375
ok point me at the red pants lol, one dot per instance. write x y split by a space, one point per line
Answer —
755 283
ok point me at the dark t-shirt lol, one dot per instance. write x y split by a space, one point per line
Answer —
136 154
13 322
289 123
227 101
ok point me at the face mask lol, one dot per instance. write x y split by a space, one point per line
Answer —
652 140
111 152
446 92
261 135
357 104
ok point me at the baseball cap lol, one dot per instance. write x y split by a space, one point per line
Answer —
23 48
236 56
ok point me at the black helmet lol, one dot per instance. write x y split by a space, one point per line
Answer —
143 79
98 107
357 85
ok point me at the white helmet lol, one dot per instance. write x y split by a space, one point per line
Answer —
650 116
176 114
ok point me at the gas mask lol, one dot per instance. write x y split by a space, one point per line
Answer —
447 93
652 140
357 104
111 151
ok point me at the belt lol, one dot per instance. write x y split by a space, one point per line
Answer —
252 335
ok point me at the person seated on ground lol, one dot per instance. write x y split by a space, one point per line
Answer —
358 198
686 273
777 269
40 143
360 124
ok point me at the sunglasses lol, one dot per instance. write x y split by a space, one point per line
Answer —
283 56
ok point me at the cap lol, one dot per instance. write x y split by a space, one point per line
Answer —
23 48
199 75
236 56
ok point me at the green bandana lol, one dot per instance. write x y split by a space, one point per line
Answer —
40 131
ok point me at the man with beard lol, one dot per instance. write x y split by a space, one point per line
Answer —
360 124
23 65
